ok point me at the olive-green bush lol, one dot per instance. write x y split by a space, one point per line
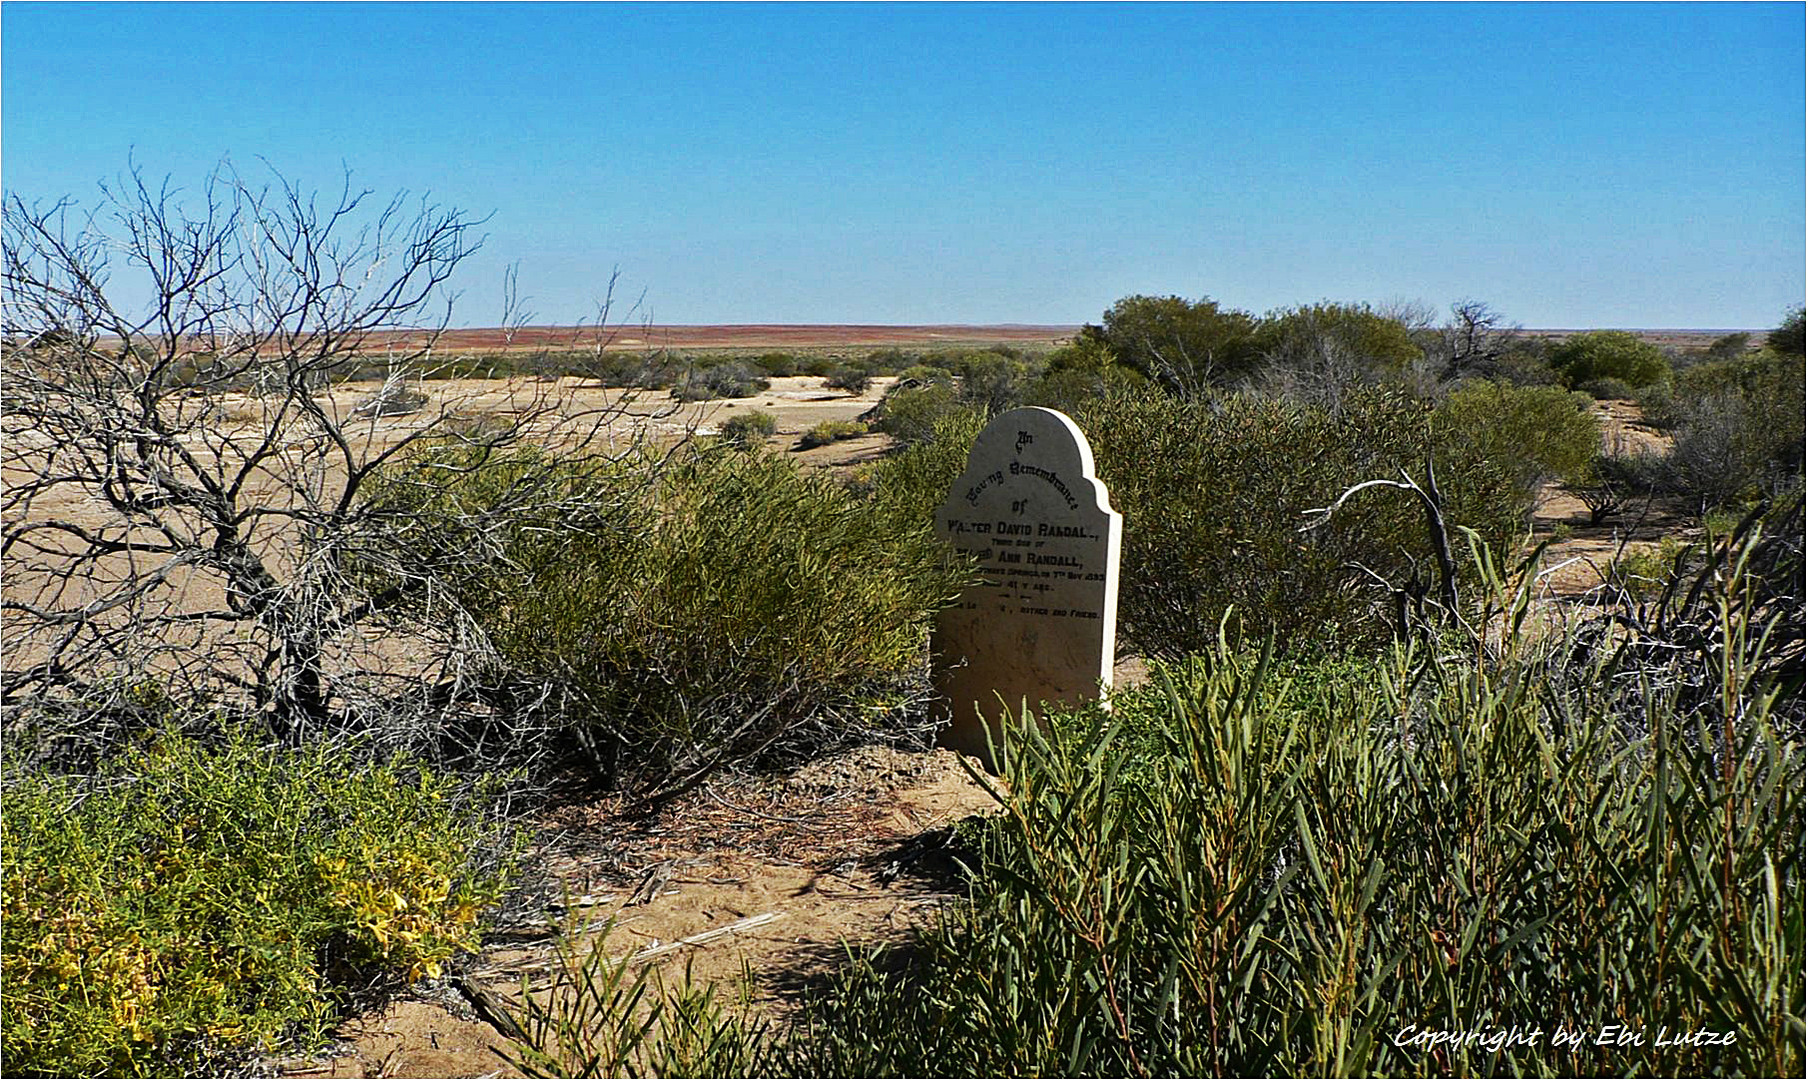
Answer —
853 380
193 903
1181 344
909 413
830 431
1608 389
713 603
776 364
1532 433
730 379
1610 354
749 429
1215 495
1738 429
1380 342
1787 339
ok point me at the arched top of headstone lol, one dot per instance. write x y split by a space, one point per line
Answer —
1046 442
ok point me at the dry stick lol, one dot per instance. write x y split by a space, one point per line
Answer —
1431 500
707 936
749 923
652 803
492 1009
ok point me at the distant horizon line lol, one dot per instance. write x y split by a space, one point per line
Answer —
1030 326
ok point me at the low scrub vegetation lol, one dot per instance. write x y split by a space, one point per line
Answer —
193 900
717 605
1215 493
749 429
1368 797
831 431
853 380
1610 354
727 380
1325 864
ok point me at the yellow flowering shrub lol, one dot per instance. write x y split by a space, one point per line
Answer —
203 901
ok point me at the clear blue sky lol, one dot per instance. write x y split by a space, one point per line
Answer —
1619 165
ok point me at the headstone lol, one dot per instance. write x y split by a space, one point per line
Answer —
1042 626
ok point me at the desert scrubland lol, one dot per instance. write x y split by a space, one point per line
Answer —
387 702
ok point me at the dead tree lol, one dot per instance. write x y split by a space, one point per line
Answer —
1473 341
187 474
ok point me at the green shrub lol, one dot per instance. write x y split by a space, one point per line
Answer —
1657 403
777 364
1610 354
725 604
1068 390
732 379
831 431
1728 347
1262 868
749 429
1738 429
639 371
992 381
1787 339
853 380
1215 493
888 361
1644 569
1077 373
1379 342
1180 344
1531 433
909 413
192 901
909 485
925 374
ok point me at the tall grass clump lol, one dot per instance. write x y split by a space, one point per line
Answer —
191 903
1509 853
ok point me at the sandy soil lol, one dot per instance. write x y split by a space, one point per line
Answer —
851 849
560 410
1576 566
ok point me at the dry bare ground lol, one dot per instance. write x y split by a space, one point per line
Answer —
1576 566
784 870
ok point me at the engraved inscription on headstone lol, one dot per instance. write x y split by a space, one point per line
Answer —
1042 626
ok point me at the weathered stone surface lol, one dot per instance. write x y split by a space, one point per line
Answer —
1043 624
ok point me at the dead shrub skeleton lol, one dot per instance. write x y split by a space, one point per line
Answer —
187 480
